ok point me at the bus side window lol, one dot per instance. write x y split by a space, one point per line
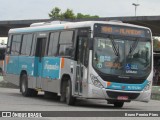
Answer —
40 47
53 44
26 44
33 47
16 42
66 43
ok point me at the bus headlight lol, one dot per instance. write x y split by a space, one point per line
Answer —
95 81
147 87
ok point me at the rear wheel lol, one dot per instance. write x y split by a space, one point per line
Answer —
24 87
118 104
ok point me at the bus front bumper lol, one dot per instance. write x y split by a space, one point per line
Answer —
109 94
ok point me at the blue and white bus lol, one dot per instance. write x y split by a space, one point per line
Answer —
92 59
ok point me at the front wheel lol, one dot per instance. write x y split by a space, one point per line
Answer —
118 104
70 100
24 87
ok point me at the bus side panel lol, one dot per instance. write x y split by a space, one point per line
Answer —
51 67
68 67
51 74
27 64
12 73
12 66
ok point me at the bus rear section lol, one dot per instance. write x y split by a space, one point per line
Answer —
92 60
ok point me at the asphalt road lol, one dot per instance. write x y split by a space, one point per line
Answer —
12 100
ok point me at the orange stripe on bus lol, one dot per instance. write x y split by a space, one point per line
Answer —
108 83
62 62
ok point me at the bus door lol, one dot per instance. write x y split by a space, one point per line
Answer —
40 51
81 69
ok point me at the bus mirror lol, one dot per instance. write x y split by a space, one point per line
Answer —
91 44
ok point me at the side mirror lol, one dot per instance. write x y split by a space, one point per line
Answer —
90 44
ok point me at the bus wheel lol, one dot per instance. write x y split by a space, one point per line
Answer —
118 104
70 100
24 87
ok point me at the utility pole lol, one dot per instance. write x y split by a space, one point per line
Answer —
136 5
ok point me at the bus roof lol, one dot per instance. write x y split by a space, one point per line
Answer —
67 25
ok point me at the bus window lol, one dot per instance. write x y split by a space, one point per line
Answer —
66 43
16 41
40 47
26 44
33 45
53 44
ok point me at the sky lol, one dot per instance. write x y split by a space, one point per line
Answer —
39 9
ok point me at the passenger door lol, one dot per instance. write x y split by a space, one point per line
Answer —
40 52
82 62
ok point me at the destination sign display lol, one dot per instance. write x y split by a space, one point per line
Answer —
122 30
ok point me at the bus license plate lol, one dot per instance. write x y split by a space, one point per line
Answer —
122 97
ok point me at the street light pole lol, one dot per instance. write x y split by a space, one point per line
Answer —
136 5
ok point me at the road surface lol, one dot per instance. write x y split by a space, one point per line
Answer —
12 100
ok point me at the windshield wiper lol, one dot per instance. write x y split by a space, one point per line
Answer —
133 47
115 49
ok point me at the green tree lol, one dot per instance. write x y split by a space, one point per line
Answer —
55 13
68 14
80 15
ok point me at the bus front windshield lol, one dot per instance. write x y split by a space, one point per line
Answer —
117 56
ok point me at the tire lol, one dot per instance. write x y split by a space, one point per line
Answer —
27 92
70 100
118 104
63 91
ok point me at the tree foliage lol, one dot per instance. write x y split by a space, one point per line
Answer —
80 15
68 14
55 13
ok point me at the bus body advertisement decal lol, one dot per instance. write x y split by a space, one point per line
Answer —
51 67
127 87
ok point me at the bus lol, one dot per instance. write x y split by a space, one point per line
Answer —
91 59
2 56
